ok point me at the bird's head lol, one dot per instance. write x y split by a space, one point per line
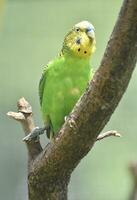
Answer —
80 41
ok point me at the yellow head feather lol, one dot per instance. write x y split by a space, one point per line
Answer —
80 41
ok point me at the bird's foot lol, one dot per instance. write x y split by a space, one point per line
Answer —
34 134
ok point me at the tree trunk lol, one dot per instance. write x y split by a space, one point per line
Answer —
56 190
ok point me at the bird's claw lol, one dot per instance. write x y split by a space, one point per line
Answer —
65 118
34 134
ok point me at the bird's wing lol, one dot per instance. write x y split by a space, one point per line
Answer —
44 75
48 123
42 84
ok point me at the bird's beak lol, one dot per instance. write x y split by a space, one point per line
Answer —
91 34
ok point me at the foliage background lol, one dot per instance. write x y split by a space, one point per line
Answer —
31 34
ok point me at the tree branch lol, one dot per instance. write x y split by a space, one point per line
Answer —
108 134
50 172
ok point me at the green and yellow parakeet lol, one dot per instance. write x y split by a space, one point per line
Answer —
65 78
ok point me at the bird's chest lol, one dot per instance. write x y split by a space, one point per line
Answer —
70 84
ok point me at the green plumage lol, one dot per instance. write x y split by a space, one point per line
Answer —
64 80
62 83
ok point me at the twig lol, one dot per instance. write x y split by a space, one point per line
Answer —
108 134
16 116
24 116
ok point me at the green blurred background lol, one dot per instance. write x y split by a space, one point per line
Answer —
31 34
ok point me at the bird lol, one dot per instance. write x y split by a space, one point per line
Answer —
65 78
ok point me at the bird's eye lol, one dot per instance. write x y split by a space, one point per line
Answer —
77 29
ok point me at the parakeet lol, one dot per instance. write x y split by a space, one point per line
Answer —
65 78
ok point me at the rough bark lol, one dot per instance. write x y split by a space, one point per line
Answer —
51 168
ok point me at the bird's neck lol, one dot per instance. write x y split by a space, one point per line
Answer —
70 57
